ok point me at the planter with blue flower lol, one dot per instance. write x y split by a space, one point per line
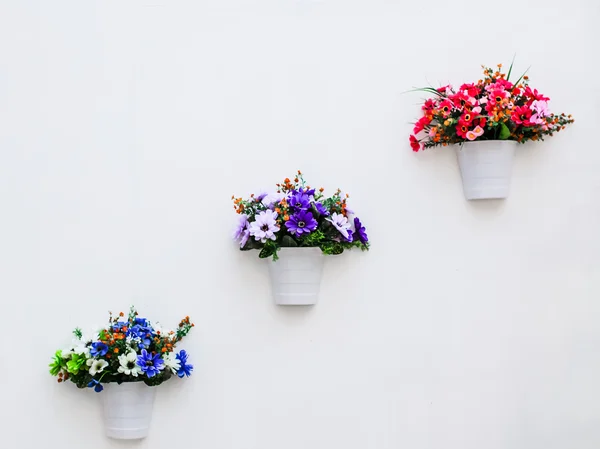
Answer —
296 226
125 360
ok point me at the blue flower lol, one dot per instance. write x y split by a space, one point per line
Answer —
150 364
98 349
96 384
185 368
144 333
119 325
322 210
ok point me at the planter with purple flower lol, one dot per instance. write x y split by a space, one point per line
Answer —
126 360
295 227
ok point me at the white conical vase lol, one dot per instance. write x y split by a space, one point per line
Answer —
296 276
486 168
127 409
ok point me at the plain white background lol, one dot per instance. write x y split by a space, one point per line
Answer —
126 126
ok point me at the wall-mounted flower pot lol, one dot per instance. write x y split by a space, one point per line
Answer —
127 409
486 168
296 276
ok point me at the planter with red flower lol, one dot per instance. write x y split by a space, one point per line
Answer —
296 226
485 121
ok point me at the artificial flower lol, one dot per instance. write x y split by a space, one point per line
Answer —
299 200
150 364
96 365
185 369
172 362
128 364
242 232
340 222
321 210
96 385
360 230
265 226
98 349
301 222
414 143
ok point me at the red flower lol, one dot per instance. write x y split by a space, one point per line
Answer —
534 94
521 115
414 143
466 118
462 130
482 122
421 124
472 90
497 95
443 88
461 100
446 107
429 104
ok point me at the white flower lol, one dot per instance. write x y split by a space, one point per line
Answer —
268 199
96 366
129 364
340 222
265 226
172 362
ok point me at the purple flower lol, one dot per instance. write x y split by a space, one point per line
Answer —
301 222
242 232
322 210
340 222
299 200
150 364
360 231
265 226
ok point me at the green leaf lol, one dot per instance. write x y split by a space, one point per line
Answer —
270 249
510 68
332 248
288 242
504 132
521 77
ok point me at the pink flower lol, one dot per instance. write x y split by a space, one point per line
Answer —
477 109
471 135
432 132
478 131
540 108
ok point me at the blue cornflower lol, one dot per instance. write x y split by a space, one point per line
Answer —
150 364
185 369
98 349
96 384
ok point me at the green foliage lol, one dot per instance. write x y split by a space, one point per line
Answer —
504 132
315 238
77 332
270 249
332 248
288 242
75 364
57 364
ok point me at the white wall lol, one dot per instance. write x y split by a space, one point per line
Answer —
125 127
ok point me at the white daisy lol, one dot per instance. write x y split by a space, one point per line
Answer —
172 362
96 366
129 364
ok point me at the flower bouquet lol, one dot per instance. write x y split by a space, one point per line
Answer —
297 224
486 120
125 358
